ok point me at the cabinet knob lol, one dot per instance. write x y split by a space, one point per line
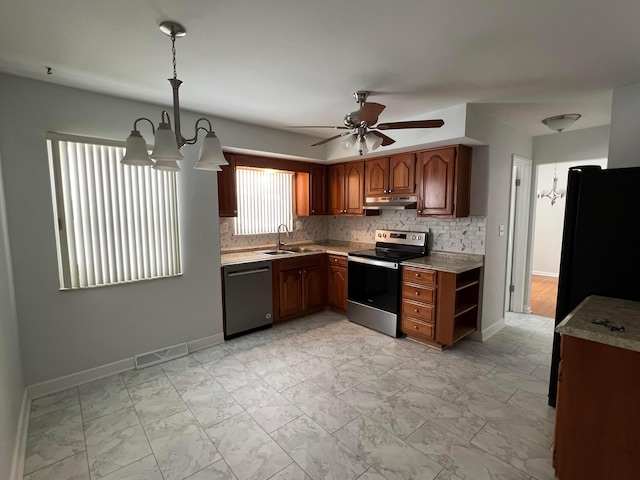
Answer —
415 326
419 211
313 211
417 293
300 272
235 211
418 275
416 310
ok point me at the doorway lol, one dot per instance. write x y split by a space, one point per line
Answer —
548 224
517 281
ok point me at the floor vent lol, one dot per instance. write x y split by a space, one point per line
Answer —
162 355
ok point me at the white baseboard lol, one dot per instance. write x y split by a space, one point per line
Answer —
20 448
205 342
545 274
73 380
487 333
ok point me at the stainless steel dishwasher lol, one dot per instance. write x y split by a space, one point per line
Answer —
248 298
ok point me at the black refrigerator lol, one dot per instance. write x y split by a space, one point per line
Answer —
600 243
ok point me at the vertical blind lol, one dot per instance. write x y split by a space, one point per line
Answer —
116 223
265 200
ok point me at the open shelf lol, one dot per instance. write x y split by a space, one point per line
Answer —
466 284
462 331
464 308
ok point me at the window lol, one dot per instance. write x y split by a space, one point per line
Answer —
265 200
115 223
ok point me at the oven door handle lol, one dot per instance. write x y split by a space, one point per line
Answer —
370 261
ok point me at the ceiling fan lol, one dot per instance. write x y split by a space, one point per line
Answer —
363 133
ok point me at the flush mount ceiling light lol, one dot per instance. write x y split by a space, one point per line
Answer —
166 151
561 122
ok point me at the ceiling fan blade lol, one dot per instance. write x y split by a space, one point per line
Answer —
370 112
318 126
385 140
411 124
321 142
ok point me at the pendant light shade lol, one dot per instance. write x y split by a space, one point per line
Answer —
166 166
136 151
212 167
373 141
211 151
348 143
166 147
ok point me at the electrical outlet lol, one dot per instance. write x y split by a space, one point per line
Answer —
501 231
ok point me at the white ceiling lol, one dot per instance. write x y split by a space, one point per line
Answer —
287 62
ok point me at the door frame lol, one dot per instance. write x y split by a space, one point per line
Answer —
516 296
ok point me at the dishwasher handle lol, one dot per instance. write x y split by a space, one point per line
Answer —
248 272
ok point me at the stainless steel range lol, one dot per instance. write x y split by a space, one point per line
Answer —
374 279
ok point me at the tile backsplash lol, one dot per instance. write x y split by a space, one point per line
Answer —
304 229
447 234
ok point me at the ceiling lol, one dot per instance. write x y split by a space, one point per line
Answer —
288 62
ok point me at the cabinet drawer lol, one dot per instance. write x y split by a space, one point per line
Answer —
416 328
300 262
419 275
418 310
340 260
419 293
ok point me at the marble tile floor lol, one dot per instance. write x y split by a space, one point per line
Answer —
315 398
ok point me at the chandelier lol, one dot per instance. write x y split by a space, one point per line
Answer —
166 150
555 192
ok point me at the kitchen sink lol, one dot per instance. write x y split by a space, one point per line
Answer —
289 250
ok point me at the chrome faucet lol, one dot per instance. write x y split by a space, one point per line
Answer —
280 244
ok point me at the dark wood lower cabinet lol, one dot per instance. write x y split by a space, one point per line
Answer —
298 286
338 284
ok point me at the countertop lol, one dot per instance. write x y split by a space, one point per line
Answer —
443 261
625 312
448 262
334 247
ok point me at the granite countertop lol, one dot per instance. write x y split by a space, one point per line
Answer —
624 312
448 262
334 247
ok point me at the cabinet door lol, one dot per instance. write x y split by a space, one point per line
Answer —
227 202
436 176
336 189
318 184
402 174
338 288
376 181
312 288
354 188
290 284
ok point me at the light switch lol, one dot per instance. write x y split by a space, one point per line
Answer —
501 231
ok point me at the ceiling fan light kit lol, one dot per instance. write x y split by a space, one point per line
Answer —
166 150
363 132
561 122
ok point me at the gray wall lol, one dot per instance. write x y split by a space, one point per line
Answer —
586 144
503 142
624 147
67 332
11 384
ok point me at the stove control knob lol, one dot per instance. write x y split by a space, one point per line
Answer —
413 237
384 235
419 238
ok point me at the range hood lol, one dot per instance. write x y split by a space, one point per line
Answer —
391 202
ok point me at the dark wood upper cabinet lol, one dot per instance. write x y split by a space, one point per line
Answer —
444 180
391 175
377 177
402 174
227 200
354 188
336 189
311 191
